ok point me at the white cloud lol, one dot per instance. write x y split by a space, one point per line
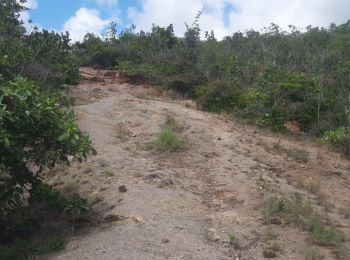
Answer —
31 4
84 21
25 17
249 14
256 14
165 12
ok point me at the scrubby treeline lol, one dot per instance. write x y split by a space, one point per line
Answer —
270 77
39 55
35 131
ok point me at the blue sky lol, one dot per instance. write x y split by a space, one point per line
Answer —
223 16
54 13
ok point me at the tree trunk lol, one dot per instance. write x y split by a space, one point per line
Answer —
318 113
348 109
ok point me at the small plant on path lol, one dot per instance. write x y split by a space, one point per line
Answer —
167 140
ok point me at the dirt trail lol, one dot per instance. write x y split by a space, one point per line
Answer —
186 204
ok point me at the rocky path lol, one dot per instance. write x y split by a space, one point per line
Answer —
187 205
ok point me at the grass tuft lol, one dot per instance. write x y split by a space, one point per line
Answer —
313 253
345 211
302 214
275 246
171 123
322 235
299 155
122 131
108 172
234 241
166 142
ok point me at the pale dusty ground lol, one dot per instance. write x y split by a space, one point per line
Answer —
185 205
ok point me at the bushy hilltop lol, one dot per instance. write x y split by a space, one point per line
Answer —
270 77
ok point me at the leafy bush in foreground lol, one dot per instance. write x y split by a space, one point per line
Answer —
35 132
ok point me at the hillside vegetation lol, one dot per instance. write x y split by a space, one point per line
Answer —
270 77
36 132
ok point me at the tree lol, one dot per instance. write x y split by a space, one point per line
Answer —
112 32
342 76
11 38
192 38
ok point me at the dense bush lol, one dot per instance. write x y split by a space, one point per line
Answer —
94 51
143 72
339 139
217 97
39 55
34 133
105 57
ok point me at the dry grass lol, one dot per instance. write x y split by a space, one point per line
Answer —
309 185
303 215
265 184
345 211
171 123
313 253
122 131
298 155
88 170
323 200
147 94
108 173
274 246
315 189
270 235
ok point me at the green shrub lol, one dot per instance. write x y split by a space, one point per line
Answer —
322 235
273 205
274 246
169 70
182 83
253 102
18 239
274 120
34 131
294 211
234 241
300 213
339 139
166 142
171 123
106 57
76 207
51 60
218 96
69 70
141 72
